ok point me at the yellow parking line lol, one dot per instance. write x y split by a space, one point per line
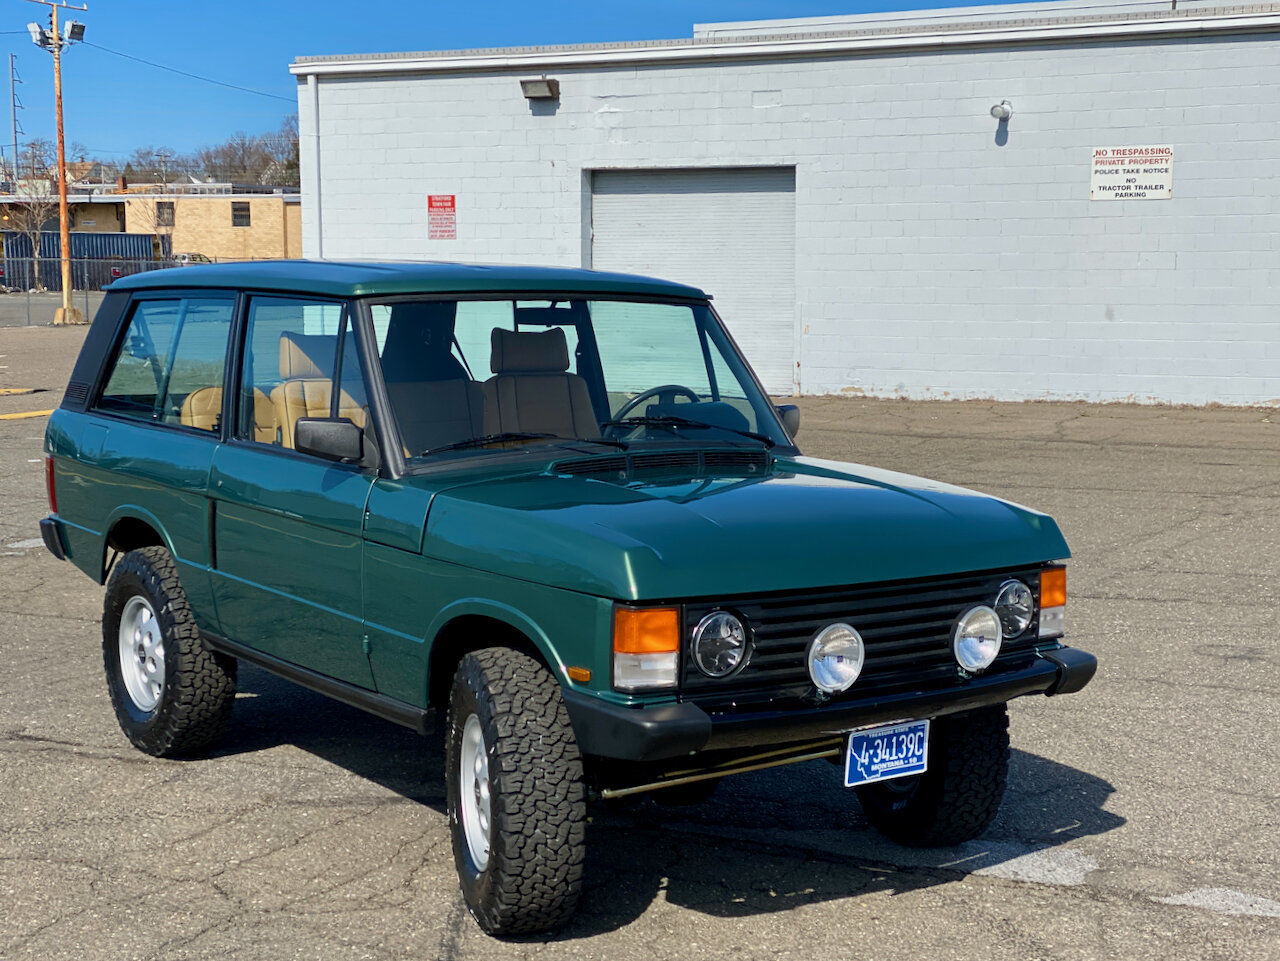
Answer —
26 413
10 391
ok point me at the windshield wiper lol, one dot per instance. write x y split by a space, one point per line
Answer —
492 439
522 435
671 421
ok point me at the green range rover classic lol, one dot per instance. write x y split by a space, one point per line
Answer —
557 508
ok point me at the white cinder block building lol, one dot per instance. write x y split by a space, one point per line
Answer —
841 186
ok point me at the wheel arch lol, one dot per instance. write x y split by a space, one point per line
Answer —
472 624
129 528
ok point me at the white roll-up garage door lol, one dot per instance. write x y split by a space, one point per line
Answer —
730 232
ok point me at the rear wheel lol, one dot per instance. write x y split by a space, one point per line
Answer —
517 806
171 694
957 797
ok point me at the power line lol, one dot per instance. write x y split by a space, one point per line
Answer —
193 76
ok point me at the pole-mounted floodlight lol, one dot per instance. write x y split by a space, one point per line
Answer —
53 41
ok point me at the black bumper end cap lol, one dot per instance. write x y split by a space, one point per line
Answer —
650 734
1075 669
52 538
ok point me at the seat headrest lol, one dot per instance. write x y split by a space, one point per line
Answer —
308 355
539 351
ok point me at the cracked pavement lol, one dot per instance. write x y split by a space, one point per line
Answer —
1142 819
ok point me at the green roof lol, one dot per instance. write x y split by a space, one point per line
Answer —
353 279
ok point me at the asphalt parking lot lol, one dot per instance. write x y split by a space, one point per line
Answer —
1142 819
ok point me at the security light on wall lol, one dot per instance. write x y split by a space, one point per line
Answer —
542 88
1002 111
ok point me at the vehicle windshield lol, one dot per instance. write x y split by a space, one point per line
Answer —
475 376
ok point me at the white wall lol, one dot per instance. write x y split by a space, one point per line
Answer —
932 261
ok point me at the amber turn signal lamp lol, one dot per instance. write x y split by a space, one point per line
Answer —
579 674
651 630
1053 587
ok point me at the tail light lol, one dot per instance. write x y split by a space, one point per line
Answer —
50 485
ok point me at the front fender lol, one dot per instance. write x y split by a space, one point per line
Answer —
498 611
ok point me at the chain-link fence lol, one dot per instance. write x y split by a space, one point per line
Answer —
33 288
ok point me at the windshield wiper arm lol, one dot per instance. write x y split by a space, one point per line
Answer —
492 439
523 435
672 421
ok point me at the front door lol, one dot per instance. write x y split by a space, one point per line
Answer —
287 526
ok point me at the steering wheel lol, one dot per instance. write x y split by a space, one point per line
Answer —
667 393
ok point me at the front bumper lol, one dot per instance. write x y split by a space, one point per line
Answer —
672 730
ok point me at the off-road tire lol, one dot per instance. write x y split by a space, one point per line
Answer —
958 795
537 835
199 684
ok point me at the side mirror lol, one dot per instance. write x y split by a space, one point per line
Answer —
790 415
333 438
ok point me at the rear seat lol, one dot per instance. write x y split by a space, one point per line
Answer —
203 407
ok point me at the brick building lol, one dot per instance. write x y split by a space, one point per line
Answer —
225 226
843 188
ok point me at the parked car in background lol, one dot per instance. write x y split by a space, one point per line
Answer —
187 260
556 508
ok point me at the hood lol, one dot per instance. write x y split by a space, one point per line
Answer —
804 523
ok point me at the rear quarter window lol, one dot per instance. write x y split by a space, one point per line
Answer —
169 367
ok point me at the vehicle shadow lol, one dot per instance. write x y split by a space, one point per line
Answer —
764 842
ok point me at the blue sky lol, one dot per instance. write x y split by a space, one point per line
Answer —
113 105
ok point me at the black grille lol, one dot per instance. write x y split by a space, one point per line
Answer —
687 463
906 626
76 393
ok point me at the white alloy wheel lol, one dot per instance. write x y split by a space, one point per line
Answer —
475 792
141 653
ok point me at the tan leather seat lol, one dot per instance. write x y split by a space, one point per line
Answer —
432 414
532 390
203 408
306 364
434 399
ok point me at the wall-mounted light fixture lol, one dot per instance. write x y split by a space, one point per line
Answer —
542 88
1002 111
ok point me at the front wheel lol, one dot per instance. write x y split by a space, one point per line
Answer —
517 806
957 797
171 694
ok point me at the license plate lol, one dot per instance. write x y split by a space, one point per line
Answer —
881 753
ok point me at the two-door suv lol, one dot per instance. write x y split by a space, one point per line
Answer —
557 507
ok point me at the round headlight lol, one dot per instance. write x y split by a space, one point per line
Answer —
719 644
1016 606
976 639
835 658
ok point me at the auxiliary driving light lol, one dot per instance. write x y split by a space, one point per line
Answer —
976 639
835 658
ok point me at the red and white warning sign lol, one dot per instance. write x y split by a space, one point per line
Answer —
1132 173
442 217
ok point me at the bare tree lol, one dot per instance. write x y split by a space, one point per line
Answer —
37 198
145 215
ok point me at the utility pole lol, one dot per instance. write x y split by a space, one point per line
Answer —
13 113
54 42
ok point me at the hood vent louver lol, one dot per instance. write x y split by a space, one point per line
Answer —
695 463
